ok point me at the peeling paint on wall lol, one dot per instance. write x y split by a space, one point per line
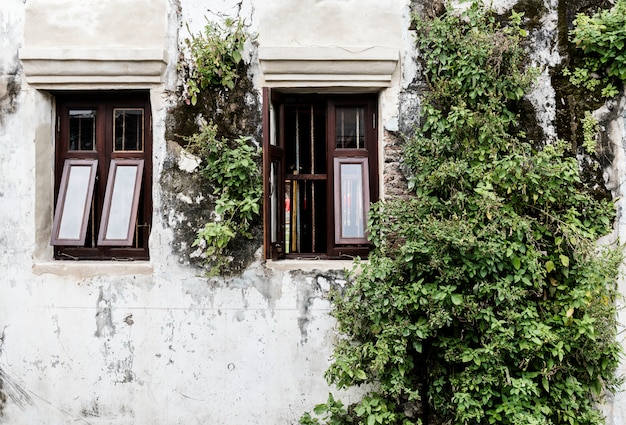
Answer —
312 287
10 86
169 345
104 321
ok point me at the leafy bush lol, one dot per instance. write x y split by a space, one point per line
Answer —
602 37
215 55
486 299
232 167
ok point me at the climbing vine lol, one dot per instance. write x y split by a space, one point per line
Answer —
603 39
230 164
232 169
215 56
486 299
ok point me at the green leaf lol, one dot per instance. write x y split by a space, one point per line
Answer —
564 260
360 375
515 260
456 299
549 266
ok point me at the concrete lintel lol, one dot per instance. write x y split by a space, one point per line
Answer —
328 66
56 67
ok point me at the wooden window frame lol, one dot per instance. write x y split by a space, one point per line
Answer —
61 206
111 186
365 194
104 103
274 150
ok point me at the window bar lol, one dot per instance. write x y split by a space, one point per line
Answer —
358 128
123 131
136 241
79 144
93 221
312 183
296 198
294 215
343 136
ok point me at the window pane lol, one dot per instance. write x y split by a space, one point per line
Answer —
128 131
82 130
352 213
120 203
351 200
74 201
274 200
350 127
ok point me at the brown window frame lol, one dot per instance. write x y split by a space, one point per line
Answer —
278 132
340 238
104 103
64 189
112 184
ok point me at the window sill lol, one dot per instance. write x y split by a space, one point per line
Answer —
309 265
86 269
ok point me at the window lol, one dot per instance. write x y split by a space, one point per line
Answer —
103 176
320 174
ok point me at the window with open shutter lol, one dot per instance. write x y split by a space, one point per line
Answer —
320 163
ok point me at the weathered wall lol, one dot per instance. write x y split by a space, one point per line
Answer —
156 342
150 342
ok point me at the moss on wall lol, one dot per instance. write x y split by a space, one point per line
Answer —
572 102
188 198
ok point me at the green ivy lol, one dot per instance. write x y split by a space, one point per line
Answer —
603 39
232 168
486 299
215 56
591 128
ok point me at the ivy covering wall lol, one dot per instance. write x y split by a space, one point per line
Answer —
217 120
487 299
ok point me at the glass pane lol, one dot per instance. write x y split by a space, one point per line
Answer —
128 131
274 201
82 130
121 202
352 205
273 126
350 127
75 203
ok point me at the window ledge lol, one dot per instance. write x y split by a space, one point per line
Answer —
86 269
309 265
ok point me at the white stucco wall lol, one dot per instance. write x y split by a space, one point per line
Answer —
154 342
145 342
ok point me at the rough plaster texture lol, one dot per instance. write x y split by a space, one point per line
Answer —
155 342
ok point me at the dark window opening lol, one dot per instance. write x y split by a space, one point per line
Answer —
103 208
320 161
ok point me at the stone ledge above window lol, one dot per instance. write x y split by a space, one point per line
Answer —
328 66
67 68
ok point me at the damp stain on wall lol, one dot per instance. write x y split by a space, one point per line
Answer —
187 196
10 86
